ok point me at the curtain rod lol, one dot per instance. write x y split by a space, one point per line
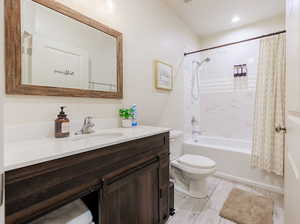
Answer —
237 42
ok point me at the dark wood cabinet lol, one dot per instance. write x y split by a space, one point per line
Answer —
133 198
164 189
121 184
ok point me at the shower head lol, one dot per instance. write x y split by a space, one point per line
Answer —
206 60
196 78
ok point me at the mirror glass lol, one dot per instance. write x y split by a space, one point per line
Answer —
59 51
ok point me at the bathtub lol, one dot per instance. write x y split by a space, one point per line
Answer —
233 161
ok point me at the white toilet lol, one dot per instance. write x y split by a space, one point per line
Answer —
189 172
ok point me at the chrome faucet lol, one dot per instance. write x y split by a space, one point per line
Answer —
87 127
195 127
197 132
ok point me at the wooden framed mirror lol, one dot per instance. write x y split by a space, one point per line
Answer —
52 50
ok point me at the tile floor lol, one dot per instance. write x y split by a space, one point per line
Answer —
206 211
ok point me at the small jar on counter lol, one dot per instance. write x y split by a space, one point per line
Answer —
62 125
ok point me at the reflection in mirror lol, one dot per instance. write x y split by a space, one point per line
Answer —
58 51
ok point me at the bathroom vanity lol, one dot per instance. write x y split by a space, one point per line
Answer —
123 179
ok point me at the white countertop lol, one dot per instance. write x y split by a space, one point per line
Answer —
30 152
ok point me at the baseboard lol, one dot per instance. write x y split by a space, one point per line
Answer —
245 181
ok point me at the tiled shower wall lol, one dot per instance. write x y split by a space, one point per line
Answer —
226 105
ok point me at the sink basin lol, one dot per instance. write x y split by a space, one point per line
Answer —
95 136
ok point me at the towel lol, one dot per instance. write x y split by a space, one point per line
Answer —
73 213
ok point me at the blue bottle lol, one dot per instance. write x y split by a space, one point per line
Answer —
134 121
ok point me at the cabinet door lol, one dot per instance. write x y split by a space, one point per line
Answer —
164 177
293 55
132 198
292 153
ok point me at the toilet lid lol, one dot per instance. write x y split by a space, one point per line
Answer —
196 161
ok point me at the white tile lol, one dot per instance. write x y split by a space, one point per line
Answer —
220 195
212 183
183 217
192 204
197 211
179 198
208 216
226 221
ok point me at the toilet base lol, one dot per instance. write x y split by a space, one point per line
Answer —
191 181
197 190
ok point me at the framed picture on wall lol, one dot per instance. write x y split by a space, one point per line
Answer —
163 76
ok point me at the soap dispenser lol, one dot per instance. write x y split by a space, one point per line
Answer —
62 125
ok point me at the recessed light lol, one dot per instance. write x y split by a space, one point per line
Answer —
235 19
110 5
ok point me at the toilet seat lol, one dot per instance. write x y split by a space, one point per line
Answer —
191 170
197 162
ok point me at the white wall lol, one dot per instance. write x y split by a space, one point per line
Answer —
151 31
260 28
223 99
292 156
222 110
220 102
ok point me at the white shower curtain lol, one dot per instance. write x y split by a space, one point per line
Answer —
268 145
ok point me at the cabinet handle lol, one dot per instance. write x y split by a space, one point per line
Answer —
160 193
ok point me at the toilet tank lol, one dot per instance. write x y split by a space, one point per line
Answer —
176 144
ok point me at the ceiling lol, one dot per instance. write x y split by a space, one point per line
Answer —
207 17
